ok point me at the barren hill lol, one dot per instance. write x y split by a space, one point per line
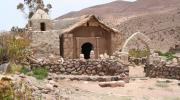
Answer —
159 19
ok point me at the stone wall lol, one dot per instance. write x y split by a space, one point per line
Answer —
35 24
106 67
45 43
67 45
170 72
117 41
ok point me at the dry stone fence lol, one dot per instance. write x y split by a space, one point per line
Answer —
100 67
171 72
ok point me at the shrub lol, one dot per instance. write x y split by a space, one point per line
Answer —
137 53
14 91
24 70
40 73
5 90
14 47
167 55
13 68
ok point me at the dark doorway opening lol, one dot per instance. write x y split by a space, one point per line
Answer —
86 50
43 26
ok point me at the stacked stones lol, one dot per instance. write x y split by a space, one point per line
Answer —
161 68
138 61
90 67
108 67
171 72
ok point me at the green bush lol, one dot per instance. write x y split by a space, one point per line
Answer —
40 73
167 55
24 70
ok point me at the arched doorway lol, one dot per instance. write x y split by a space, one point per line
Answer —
137 71
86 50
144 40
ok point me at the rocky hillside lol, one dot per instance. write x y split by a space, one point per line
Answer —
158 19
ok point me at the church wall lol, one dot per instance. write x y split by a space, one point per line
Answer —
97 36
104 38
35 24
117 41
68 45
45 43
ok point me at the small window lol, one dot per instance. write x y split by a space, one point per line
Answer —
87 24
43 26
61 45
30 24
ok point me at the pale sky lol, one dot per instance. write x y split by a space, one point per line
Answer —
10 16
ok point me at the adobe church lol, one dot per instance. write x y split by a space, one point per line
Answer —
72 37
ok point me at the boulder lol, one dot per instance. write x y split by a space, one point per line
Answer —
49 87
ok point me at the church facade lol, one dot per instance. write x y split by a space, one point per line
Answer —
72 37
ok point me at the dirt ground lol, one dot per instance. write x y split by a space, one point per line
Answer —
137 89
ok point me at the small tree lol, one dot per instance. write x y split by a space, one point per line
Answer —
32 6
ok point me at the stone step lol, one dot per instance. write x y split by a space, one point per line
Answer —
112 84
90 78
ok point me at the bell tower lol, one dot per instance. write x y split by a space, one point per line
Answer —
40 21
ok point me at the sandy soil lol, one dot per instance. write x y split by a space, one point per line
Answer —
137 89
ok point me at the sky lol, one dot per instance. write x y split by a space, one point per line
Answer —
10 16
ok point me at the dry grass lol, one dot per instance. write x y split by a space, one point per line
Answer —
14 91
13 46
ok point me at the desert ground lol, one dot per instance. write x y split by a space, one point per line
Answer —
136 89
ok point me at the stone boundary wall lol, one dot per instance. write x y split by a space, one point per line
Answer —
106 67
170 72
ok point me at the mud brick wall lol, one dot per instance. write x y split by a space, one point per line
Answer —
170 72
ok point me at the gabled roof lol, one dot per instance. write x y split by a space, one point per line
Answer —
40 14
69 24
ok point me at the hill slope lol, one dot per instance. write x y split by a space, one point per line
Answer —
158 19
